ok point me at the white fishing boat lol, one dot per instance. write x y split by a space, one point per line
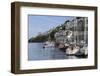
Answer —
72 50
49 43
66 45
84 50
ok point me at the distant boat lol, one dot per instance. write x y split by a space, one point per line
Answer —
48 44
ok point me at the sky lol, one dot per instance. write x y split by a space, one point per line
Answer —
41 23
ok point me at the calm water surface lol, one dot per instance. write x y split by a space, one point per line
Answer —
37 52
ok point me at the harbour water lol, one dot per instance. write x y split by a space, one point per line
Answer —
37 52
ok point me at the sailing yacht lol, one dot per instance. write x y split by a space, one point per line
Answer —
84 49
72 48
75 48
49 43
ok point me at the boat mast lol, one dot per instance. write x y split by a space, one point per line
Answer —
75 24
49 38
85 26
76 31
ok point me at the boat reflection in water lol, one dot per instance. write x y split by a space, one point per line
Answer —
37 52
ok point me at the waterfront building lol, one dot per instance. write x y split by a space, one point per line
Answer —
75 31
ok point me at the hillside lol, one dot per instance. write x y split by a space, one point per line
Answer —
50 33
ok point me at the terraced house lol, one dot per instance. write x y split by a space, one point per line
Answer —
74 31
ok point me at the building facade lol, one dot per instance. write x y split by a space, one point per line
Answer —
75 31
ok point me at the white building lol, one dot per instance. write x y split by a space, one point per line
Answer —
77 29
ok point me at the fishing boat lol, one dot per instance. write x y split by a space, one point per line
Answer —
67 45
83 52
49 43
72 50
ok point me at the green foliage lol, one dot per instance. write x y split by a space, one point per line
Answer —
39 38
43 38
